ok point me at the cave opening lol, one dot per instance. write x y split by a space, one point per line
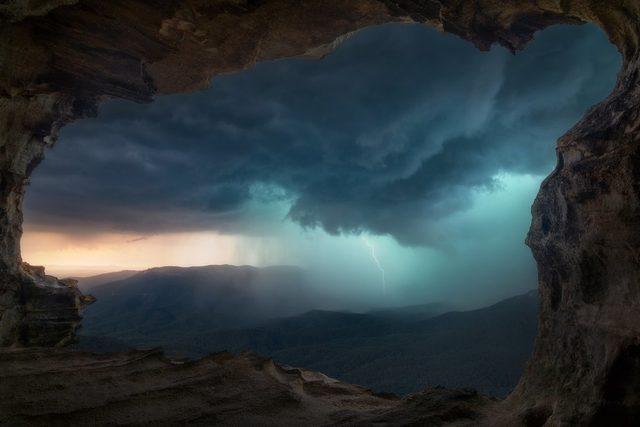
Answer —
398 171
62 59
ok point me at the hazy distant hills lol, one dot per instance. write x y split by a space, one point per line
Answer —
86 284
161 305
195 311
486 349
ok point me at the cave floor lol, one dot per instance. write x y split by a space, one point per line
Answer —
42 386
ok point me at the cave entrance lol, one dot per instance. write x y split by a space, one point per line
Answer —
403 145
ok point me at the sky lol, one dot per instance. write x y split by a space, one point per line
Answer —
403 140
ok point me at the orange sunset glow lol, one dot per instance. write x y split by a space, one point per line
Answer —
64 254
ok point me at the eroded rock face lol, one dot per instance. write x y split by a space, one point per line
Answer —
144 387
34 309
58 62
585 237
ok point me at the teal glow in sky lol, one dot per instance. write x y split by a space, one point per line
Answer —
431 150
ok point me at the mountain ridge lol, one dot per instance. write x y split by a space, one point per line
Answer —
399 350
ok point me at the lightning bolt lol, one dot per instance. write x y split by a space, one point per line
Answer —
376 261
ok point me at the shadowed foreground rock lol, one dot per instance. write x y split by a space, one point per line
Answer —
61 387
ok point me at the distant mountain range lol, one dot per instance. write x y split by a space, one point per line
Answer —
88 283
198 310
163 305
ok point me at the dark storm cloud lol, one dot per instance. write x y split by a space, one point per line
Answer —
387 134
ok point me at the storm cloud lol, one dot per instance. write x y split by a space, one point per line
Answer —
389 134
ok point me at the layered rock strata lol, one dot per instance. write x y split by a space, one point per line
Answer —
60 387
